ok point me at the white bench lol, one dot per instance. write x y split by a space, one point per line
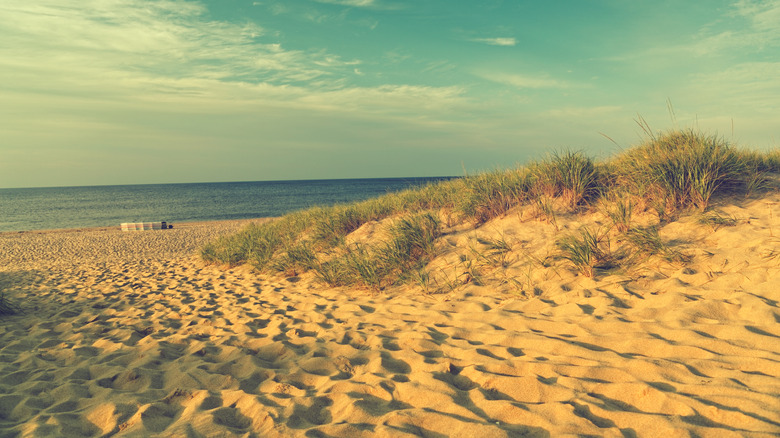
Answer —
143 226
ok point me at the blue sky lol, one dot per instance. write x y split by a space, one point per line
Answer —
99 92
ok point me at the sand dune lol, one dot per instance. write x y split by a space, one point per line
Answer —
132 335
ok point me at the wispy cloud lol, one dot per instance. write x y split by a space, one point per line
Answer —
750 25
497 41
746 26
170 39
572 112
754 85
142 50
400 97
763 14
357 3
525 81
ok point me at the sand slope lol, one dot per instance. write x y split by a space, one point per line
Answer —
153 342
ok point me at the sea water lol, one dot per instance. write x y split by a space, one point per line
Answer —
100 206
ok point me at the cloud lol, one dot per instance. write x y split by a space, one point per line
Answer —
571 112
165 38
750 25
524 81
763 14
754 85
746 26
399 97
334 61
356 3
497 41
167 52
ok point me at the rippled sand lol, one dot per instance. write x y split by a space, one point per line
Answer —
129 334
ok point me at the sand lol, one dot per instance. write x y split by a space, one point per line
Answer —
130 334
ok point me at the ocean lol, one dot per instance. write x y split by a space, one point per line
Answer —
101 206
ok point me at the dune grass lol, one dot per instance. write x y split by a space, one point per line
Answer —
680 170
646 241
669 174
410 246
570 176
717 220
586 250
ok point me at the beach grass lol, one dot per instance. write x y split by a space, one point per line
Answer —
670 174
586 250
717 220
569 176
647 242
619 208
680 170
411 244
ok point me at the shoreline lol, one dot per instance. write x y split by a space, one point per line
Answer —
110 228
70 247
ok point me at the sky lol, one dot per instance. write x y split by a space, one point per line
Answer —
102 92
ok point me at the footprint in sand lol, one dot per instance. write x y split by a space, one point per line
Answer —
516 352
130 380
70 424
393 365
232 418
159 416
7 405
211 402
377 406
315 414
453 378
390 344
66 406
251 385
170 351
487 353
41 402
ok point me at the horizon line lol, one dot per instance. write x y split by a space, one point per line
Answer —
230 182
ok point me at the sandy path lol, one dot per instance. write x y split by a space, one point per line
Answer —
140 344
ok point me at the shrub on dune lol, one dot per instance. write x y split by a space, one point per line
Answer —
492 194
570 176
411 245
681 169
586 250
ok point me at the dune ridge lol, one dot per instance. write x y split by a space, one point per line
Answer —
133 335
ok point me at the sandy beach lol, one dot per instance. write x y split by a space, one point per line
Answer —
131 334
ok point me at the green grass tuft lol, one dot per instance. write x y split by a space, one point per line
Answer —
412 243
570 176
296 259
585 251
490 195
410 247
496 251
716 220
646 241
334 226
621 213
256 244
681 170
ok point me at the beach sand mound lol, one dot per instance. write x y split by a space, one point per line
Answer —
132 335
